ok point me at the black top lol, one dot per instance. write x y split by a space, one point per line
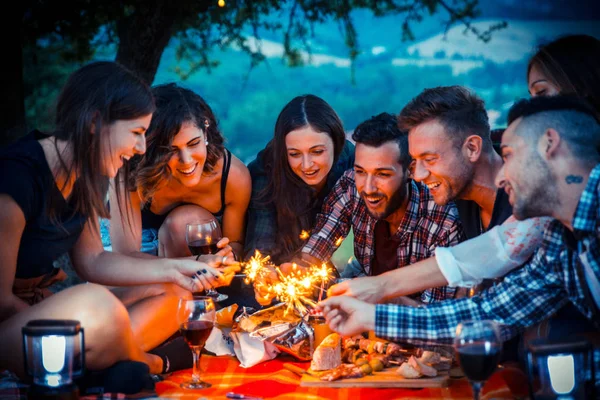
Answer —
26 177
470 214
152 220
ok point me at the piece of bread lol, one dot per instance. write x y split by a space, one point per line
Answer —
423 368
408 371
328 354
430 357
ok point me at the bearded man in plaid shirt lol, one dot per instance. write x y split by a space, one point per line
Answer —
394 219
551 168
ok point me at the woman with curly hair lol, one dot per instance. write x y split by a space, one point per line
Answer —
185 175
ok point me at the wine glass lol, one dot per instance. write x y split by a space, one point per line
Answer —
196 318
202 237
479 347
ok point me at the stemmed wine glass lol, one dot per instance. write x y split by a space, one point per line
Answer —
202 237
196 318
479 346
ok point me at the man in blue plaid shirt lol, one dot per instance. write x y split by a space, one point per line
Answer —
551 167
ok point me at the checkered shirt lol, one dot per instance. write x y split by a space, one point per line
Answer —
424 227
527 295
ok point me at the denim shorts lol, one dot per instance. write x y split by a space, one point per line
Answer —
149 238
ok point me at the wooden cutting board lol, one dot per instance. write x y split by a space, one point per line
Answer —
388 378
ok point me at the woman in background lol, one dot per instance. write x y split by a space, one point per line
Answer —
292 176
567 65
52 191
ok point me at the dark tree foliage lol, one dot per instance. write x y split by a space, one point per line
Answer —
58 33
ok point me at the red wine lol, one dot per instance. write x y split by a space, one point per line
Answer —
195 333
200 247
479 361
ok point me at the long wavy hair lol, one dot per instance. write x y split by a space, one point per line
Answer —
175 107
292 197
572 63
95 96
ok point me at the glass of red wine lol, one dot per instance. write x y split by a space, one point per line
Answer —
196 318
478 346
202 237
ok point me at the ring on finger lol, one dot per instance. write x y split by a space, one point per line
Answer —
223 260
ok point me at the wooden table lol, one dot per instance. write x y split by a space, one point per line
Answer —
269 380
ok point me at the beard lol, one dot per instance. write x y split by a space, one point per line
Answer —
392 204
539 197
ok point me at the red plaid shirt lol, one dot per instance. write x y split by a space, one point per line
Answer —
425 226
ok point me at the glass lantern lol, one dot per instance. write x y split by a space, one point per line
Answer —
54 354
560 370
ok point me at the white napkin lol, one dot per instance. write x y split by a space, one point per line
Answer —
251 351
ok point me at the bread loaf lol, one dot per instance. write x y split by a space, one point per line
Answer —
328 354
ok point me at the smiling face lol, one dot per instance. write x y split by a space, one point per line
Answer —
380 178
188 155
525 177
438 163
310 155
539 84
125 139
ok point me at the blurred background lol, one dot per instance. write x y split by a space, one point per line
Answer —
363 59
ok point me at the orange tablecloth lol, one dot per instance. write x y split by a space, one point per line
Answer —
270 380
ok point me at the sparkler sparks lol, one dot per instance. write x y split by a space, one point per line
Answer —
294 288
304 235
339 241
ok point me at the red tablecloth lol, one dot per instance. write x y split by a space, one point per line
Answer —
270 380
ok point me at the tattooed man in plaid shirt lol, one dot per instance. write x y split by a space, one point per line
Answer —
551 167
395 220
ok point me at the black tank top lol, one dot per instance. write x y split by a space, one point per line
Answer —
152 220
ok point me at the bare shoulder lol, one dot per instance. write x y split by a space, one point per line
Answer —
239 175
11 214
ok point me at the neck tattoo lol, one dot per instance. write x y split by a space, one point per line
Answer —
573 179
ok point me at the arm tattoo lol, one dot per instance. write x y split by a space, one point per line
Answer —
574 179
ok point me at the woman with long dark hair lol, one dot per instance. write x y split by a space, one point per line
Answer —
567 65
52 192
292 176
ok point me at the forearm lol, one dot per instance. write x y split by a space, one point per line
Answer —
412 278
113 269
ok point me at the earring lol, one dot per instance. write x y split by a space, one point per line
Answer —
206 142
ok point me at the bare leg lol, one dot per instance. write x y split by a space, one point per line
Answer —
108 334
152 311
171 235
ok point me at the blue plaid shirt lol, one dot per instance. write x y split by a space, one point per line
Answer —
528 295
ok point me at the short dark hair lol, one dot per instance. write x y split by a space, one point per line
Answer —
461 112
573 117
526 107
381 129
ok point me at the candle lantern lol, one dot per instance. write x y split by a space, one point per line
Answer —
54 354
560 370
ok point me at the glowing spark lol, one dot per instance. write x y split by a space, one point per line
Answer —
339 241
304 235
221 3
294 289
255 267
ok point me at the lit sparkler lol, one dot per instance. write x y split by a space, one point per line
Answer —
294 288
256 267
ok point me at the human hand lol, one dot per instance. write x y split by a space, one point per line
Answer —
261 294
195 276
366 288
347 315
